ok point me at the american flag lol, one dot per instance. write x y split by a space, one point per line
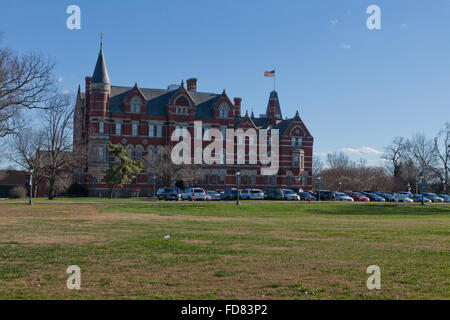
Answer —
269 73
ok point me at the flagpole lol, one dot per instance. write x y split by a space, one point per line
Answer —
274 77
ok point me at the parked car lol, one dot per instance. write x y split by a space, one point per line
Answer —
167 194
388 196
253 194
212 195
273 194
340 196
374 197
402 195
306 196
290 195
231 194
433 197
325 195
194 194
445 197
418 198
357 196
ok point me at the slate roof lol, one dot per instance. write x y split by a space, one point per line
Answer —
100 72
157 99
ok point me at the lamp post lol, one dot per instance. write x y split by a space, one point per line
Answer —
31 185
417 185
340 186
154 186
238 173
423 184
319 178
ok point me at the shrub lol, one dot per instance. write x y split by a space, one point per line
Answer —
77 190
18 192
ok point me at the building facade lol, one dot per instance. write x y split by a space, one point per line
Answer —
143 121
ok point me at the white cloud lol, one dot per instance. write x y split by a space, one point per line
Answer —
67 92
345 46
60 79
322 154
362 151
334 21
404 25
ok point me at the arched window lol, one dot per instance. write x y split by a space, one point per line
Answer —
182 101
159 154
139 151
130 151
150 155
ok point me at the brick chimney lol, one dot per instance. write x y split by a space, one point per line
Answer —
191 84
237 107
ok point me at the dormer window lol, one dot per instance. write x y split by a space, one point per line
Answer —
135 108
135 104
224 111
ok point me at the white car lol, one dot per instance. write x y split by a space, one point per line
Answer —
340 196
252 194
290 195
404 196
212 195
194 194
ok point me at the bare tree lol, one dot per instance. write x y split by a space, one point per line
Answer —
317 167
167 173
25 83
25 150
442 151
394 154
421 152
338 160
57 155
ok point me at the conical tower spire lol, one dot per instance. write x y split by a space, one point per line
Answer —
100 72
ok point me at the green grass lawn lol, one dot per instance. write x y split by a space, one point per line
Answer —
259 250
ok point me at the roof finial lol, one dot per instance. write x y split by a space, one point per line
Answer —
182 83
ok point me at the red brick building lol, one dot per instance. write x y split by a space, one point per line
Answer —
144 119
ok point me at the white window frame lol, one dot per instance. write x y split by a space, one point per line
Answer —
101 127
134 129
118 129
159 131
151 130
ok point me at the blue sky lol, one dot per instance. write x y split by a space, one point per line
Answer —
355 88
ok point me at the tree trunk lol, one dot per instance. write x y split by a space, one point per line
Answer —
112 190
51 188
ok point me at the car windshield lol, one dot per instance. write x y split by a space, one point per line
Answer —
211 192
288 191
255 191
198 190
341 194
170 190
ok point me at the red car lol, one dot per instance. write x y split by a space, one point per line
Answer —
358 196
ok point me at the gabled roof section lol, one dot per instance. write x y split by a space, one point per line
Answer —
246 120
100 72
157 99
181 91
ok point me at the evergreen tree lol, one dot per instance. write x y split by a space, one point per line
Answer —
124 170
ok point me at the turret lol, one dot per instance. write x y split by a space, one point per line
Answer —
273 112
100 86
